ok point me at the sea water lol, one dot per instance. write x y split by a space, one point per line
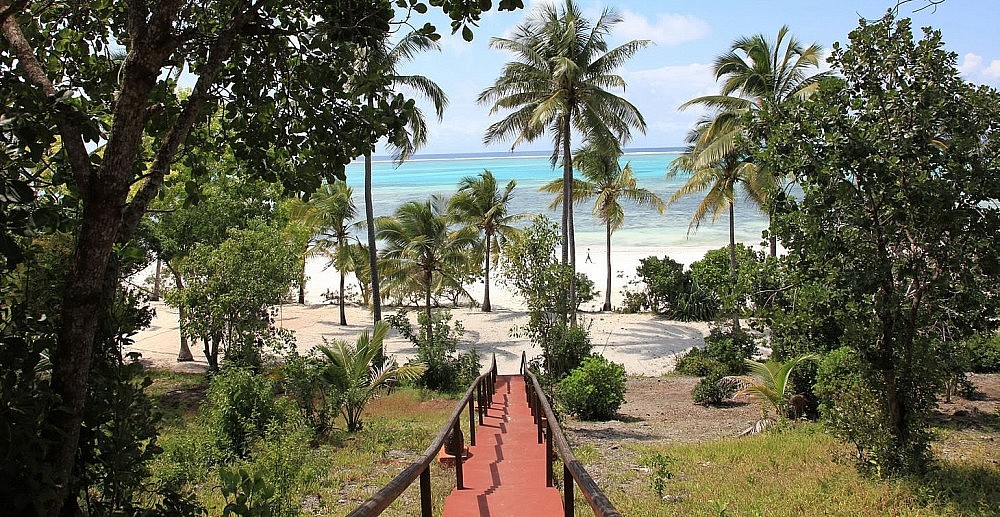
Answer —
644 231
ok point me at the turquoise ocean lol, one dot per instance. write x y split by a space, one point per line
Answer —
645 230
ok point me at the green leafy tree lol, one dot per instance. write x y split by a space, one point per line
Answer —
231 287
605 180
422 253
281 70
377 75
756 74
898 222
351 372
480 203
559 83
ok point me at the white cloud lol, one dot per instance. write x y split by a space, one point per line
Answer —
668 29
993 71
970 63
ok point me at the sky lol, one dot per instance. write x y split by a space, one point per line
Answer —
686 38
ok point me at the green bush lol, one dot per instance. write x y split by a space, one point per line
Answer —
849 406
713 389
445 371
241 408
698 363
595 390
694 304
730 347
984 353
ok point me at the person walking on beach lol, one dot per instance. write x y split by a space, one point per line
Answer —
588 258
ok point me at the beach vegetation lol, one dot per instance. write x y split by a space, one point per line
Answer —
715 388
353 374
481 203
230 290
424 253
444 370
376 77
767 384
594 390
668 289
756 73
607 182
752 285
531 269
560 83
895 159
334 204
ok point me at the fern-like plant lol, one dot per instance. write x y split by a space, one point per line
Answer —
767 382
351 372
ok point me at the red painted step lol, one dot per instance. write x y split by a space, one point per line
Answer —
505 475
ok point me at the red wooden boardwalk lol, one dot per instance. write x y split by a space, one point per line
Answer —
505 474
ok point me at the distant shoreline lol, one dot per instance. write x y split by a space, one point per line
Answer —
508 154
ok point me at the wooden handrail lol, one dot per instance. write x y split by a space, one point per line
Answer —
573 470
484 387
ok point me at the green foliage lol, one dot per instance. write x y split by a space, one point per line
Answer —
301 377
767 383
850 406
241 409
725 350
659 467
698 363
713 273
898 156
252 496
984 353
670 290
594 390
444 371
352 372
229 290
713 389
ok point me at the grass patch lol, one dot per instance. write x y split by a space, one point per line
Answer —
798 471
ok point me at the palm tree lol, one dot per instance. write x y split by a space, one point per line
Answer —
334 204
717 165
306 224
559 82
480 203
378 68
606 181
351 373
759 75
768 382
422 253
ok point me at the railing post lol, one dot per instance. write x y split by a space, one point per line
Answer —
479 401
539 419
456 439
549 477
425 492
472 424
567 491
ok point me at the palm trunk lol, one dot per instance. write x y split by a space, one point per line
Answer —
732 262
569 253
486 275
302 277
607 284
184 354
372 251
427 308
343 310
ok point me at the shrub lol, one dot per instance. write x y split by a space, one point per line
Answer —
984 353
241 408
694 304
698 363
713 389
730 347
445 371
595 390
849 406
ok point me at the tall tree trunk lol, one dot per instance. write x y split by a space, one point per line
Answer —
184 354
569 242
376 295
487 307
427 308
734 268
607 284
302 278
343 310
156 281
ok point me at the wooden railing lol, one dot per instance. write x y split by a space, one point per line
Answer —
482 388
573 472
